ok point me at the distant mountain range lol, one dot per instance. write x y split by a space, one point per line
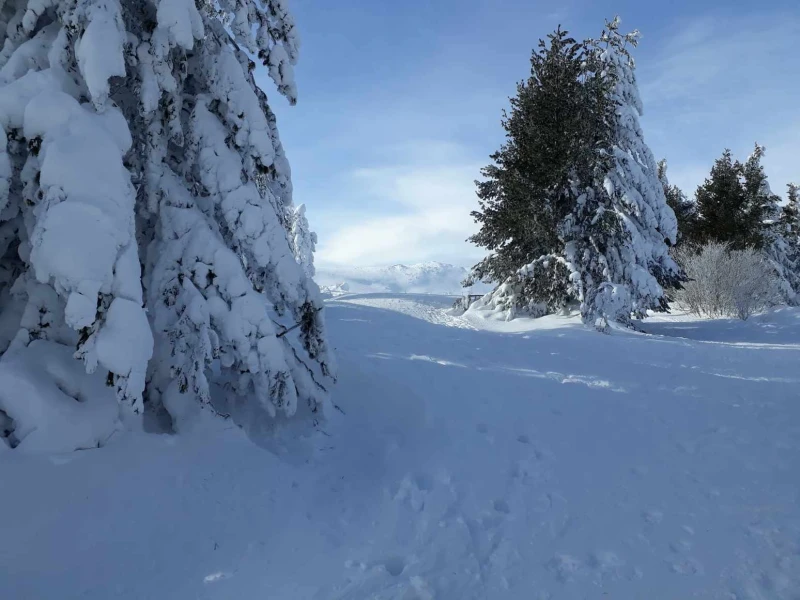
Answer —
422 278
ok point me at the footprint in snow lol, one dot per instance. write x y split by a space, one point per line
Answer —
412 491
529 471
394 565
653 517
564 567
681 546
483 429
686 566
607 565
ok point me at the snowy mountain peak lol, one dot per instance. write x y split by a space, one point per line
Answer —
431 277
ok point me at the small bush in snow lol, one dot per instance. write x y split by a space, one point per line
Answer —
727 283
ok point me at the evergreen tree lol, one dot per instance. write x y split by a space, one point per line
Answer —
683 208
790 219
762 208
789 227
634 219
304 241
790 213
528 190
143 200
737 207
572 207
731 205
775 241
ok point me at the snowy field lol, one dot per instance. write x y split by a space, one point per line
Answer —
471 459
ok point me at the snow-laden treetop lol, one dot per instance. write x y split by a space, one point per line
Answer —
145 196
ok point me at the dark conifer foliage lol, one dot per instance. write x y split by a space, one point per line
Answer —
732 203
571 208
685 210
736 207
527 190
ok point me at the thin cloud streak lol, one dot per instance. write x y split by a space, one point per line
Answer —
724 82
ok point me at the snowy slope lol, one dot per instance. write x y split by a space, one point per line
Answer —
422 278
468 462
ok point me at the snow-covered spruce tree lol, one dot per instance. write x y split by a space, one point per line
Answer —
627 229
776 242
303 240
790 214
143 200
789 228
763 208
736 207
531 186
608 226
790 219
683 208
727 211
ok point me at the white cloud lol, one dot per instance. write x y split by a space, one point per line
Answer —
720 57
432 196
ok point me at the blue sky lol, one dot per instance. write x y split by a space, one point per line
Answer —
400 105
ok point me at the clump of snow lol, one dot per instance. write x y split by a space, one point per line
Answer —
99 50
613 305
126 321
181 20
52 403
83 240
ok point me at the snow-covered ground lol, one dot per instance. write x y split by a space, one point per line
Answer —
471 459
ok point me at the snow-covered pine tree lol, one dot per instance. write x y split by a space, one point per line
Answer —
304 241
790 218
761 205
591 223
726 211
632 220
736 207
143 200
790 214
531 186
789 228
683 208
774 240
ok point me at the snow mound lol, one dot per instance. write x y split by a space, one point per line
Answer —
50 404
